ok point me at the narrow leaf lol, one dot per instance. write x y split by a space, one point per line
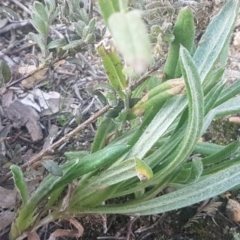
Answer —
58 43
107 8
184 32
73 44
196 170
211 186
144 172
79 26
206 148
38 38
106 127
215 37
222 154
229 92
52 167
51 5
113 67
157 127
71 170
212 96
5 71
39 24
212 79
20 183
39 8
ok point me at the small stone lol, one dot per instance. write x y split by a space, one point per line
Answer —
234 120
236 40
233 210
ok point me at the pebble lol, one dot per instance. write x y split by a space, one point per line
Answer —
236 40
234 120
233 210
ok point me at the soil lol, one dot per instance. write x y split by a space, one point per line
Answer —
75 82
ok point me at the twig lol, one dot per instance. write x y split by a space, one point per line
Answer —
9 61
15 26
12 40
86 62
24 77
22 6
64 139
112 237
30 74
146 76
129 229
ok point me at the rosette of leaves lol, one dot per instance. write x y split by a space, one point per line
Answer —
80 28
137 161
42 18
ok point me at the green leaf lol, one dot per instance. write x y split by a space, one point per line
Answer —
90 38
154 99
75 155
71 170
39 39
107 8
19 183
214 168
195 121
113 68
73 44
119 173
210 186
196 170
144 172
229 92
224 153
160 155
91 25
94 198
195 100
41 11
109 94
39 24
230 107
111 177
52 167
213 96
212 79
88 31
206 148
54 196
58 43
79 26
130 37
181 177
51 6
5 72
215 38
106 127
85 32
84 15
184 32
191 135
157 127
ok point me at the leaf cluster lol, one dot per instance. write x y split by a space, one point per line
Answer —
152 143
80 29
